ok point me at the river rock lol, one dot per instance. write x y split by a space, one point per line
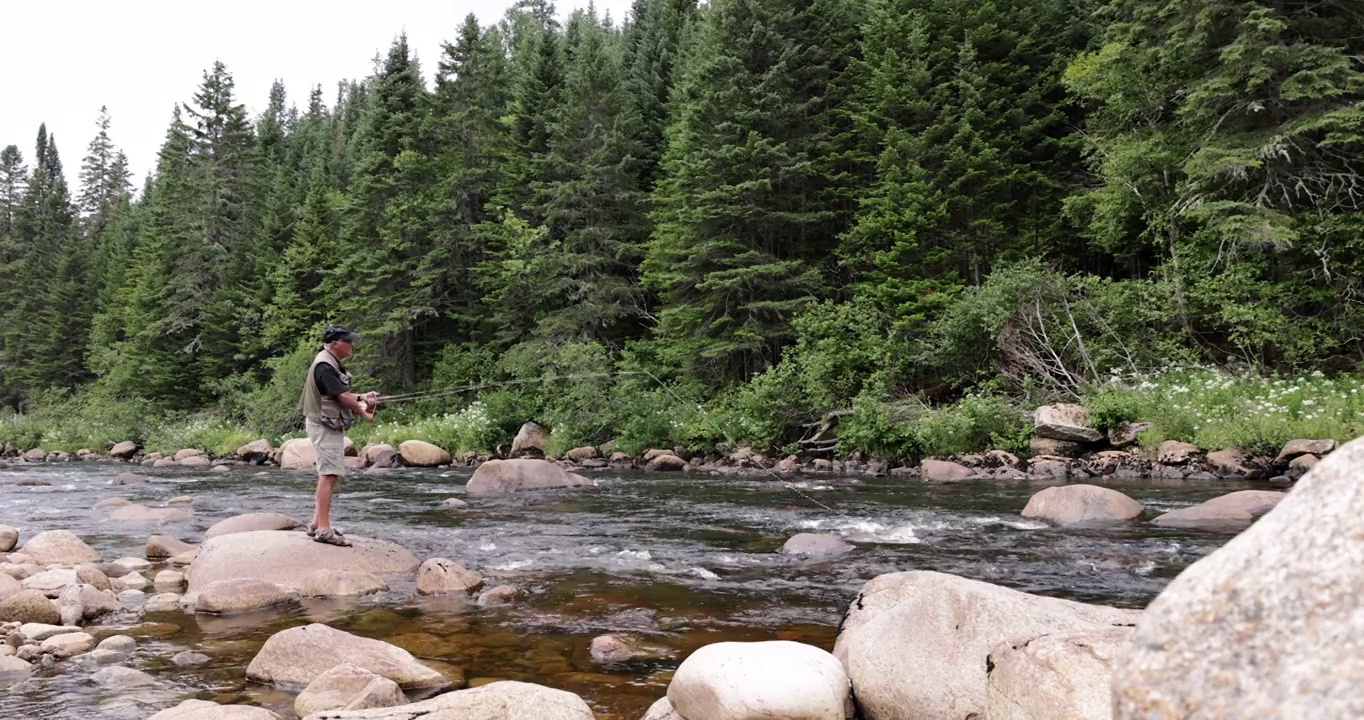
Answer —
51 582
12 668
127 478
142 513
1300 465
1039 446
348 687
1231 512
1063 676
59 547
132 564
160 547
134 581
29 606
122 678
85 602
205 710
36 455
816 545
297 454
502 700
1068 505
439 576
162 603
297 656
587 452
662 709
500 595
187 453
195 461
944 471
1294 448
189 658
9 538
169 581
370 452
124 450
615 648
1231 462
239 595
529 441
454 503
1174 452
1267 626
9 586
255 452
915 643
68 644
667 462
181 500
418 453
119 644
38 632
285 558
91 575
165 462
132 599
760 680
1126 434
340 583
505 476
251 522
1064 422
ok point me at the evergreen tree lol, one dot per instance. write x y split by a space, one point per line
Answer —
751 196
655 40
104 179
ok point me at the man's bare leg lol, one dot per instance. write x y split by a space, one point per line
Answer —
322 516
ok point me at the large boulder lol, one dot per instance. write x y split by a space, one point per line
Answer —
943 471
816 545
340 583
124 450
205 710
29 606
665 462
372 452
298 656
8 586
348 687
761 680
504 476
59 547
251 522
503 700
297 454
1065 422
662 710
35 455
1063 676
160 547
1267 626
915 643
286 558
439 576
419 453
239 595
9 538
1230 512
530 441
1040 446
1067 505
1232 462
1294 448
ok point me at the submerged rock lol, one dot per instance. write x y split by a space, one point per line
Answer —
1231 512
1267 626
915 643
624 647
297 656
286 558
816 545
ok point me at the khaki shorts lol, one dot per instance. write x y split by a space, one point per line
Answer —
330 447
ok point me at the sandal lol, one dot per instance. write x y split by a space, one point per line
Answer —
312 530
331 537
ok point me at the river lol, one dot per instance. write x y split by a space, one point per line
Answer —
683 560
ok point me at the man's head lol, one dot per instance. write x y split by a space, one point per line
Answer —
340 341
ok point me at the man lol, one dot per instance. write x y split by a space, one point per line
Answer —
329 409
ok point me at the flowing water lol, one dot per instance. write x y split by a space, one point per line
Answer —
682 560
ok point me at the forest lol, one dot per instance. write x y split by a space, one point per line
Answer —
734 222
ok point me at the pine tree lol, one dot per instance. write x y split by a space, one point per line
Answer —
750 201
655 46
104 179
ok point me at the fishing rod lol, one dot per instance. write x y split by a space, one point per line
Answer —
428 394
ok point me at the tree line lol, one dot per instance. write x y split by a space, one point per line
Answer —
801 202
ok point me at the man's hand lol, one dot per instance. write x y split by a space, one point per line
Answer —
372 399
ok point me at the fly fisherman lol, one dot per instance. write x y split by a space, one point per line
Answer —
329 409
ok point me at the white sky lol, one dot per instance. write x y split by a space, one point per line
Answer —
60 60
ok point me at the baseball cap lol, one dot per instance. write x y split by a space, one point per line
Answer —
339 332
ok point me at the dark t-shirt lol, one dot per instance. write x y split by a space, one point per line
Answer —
328 381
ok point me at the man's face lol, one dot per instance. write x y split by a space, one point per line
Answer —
341 349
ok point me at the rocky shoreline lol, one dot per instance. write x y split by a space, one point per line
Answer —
913 644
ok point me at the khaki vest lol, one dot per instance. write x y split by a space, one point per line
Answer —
325 410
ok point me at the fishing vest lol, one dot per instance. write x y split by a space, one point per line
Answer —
324 409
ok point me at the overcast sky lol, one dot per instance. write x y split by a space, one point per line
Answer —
60 60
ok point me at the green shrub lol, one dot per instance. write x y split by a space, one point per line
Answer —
471 428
